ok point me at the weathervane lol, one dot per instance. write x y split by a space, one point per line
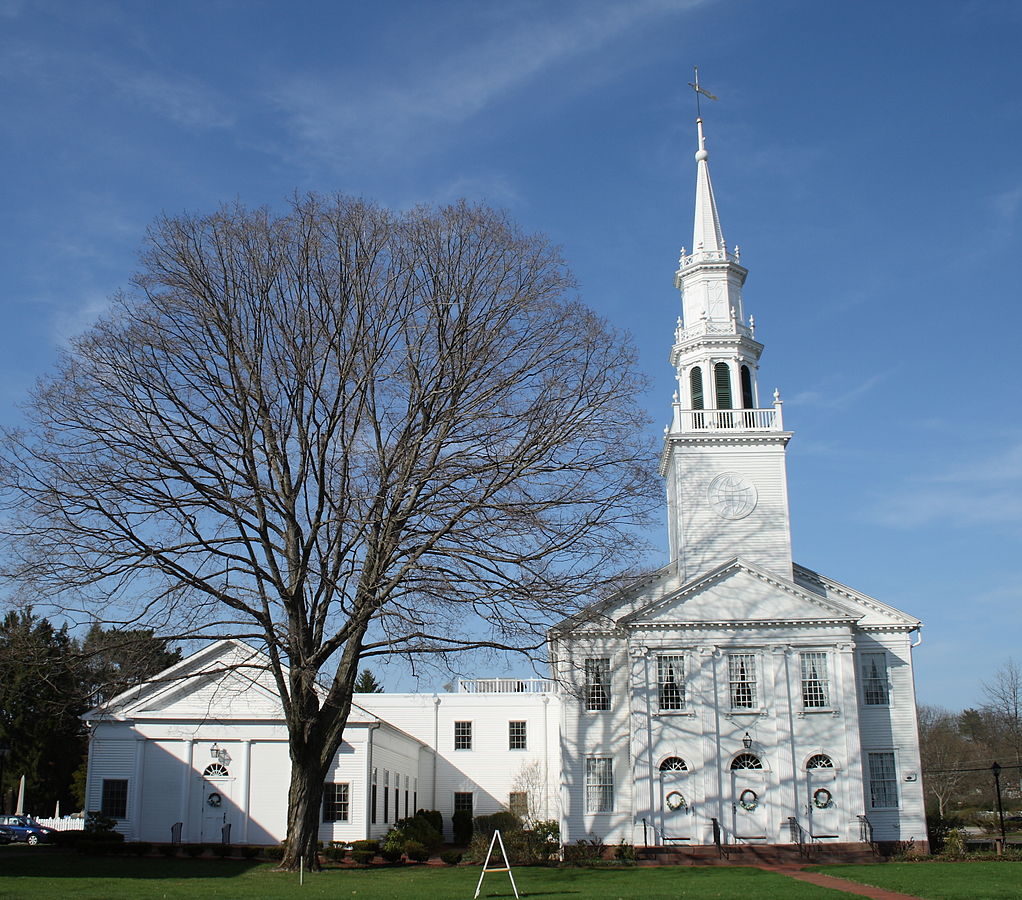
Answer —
699 90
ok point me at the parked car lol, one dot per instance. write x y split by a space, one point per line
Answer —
26 829
6 835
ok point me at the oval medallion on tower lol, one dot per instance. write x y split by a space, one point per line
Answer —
732 496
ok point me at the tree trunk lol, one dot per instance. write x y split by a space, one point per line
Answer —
305 797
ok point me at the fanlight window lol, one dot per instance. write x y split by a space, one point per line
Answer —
820 761
746 761
216 769
673 764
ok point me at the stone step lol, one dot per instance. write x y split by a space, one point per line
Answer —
756 854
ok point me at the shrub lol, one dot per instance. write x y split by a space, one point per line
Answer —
222 850
416 852
274 852
624 853
415 828
95 821
433 816
374 846
334 854
70 839
362 857
168 849
249 852
462 823
547 831
451 857
193 850
499 821
585 853
391 854
139 848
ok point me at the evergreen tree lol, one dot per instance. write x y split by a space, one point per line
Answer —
367 683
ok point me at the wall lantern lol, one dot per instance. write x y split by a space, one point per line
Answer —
747 741
215 751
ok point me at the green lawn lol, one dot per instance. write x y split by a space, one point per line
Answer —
49 873
939 880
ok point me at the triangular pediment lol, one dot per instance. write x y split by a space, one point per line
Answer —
739 593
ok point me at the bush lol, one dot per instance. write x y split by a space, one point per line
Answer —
451 857
275 852
415 828
95 821
462 823
249 852
193 850
168 849
416 852
69 839
433 816
139 848
585 853
334 854
624 853
362 857
222 850
547 831
374 846
391 854
498 821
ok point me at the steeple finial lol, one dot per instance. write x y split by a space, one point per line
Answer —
707 235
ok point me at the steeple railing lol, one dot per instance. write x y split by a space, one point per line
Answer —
724 420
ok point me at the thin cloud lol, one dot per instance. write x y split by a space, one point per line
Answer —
841 399
340 121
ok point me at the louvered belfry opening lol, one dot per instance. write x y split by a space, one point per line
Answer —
747 401
722 385
695 383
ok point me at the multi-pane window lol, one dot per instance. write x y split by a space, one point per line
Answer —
114 799
741 669
673 764
819 761
462 735
517 736
463 801
670 673
335 803
883 781
746 761
518 803
875 691
815 684
597 684
599 784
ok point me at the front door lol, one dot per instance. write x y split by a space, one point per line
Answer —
822 803
748 805
216 807
675 804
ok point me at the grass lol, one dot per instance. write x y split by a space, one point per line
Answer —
936 880
48 873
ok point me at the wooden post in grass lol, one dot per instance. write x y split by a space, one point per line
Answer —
496 839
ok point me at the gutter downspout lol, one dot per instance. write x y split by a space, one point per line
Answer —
919 639
369 777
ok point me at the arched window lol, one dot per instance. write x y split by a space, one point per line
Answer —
722 385
216 770
819 761
746 761
673 764
747 401
695 384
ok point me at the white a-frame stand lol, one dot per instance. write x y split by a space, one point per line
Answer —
496 839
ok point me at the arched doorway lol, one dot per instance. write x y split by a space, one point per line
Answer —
822 797
748 803
675 801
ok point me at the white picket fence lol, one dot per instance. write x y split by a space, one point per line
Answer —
63 824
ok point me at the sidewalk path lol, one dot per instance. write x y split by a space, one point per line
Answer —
839 884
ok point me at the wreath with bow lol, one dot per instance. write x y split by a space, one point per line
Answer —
822 798
675 800
748 799
214 800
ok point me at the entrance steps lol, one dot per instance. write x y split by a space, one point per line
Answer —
756 854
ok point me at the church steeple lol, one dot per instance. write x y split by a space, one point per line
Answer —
723 451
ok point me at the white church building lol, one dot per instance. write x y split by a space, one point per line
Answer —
733 695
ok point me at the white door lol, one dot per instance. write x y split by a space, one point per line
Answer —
748 804
675 806
822 803
215 794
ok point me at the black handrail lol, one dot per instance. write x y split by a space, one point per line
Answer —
718 835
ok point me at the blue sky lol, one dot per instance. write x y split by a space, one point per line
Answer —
865 156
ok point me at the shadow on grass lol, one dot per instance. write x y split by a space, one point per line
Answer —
50 862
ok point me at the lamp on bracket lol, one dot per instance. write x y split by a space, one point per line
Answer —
214 751
747 741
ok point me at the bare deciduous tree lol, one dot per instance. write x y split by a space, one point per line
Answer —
948 758
1004 705
341 433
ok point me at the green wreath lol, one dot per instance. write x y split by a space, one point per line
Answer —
822 798
748 799
214 800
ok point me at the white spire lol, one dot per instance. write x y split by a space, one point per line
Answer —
706 233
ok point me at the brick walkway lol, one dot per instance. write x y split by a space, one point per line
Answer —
839 884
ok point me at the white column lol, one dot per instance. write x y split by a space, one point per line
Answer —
246 786
135 810
186 786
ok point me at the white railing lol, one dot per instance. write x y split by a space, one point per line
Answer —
728 419
505 686
687 259
63 824
705 327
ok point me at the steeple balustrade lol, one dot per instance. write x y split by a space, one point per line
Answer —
706 420
707 327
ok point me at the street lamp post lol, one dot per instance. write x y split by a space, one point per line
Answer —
996 769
